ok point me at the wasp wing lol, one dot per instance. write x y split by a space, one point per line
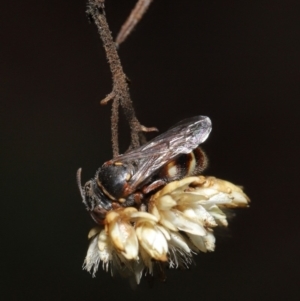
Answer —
182 138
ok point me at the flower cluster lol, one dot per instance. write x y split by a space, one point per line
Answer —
179 222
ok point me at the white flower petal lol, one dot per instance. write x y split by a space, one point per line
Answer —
205 192
154 211
165 202
205 217
209 241
188 212
220 199
153 241
167 222
111 216
239 199
218 214
189 198
198 241
143 216
147 260
181 222
124 238
92 258
94 231
235 192
104 249
164 231
203 243
179 242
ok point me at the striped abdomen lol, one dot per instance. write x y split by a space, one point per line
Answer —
191 164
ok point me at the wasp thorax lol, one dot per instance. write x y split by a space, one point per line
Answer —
113 179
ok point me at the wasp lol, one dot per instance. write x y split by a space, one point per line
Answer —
130 179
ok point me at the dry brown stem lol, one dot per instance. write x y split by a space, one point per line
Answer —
120 92
134 17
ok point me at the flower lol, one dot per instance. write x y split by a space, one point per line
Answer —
179 222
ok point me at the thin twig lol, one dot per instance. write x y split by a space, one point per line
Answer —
134 17
120 93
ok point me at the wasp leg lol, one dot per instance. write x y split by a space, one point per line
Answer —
154 185
138 197
132 200
115 205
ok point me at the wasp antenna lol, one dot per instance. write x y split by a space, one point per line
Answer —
78 179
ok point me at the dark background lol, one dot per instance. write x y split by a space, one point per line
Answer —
235 61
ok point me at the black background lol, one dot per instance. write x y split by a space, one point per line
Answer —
235 61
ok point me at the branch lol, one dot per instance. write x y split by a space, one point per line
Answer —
134 17
120 92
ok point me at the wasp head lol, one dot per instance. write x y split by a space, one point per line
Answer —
94 199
